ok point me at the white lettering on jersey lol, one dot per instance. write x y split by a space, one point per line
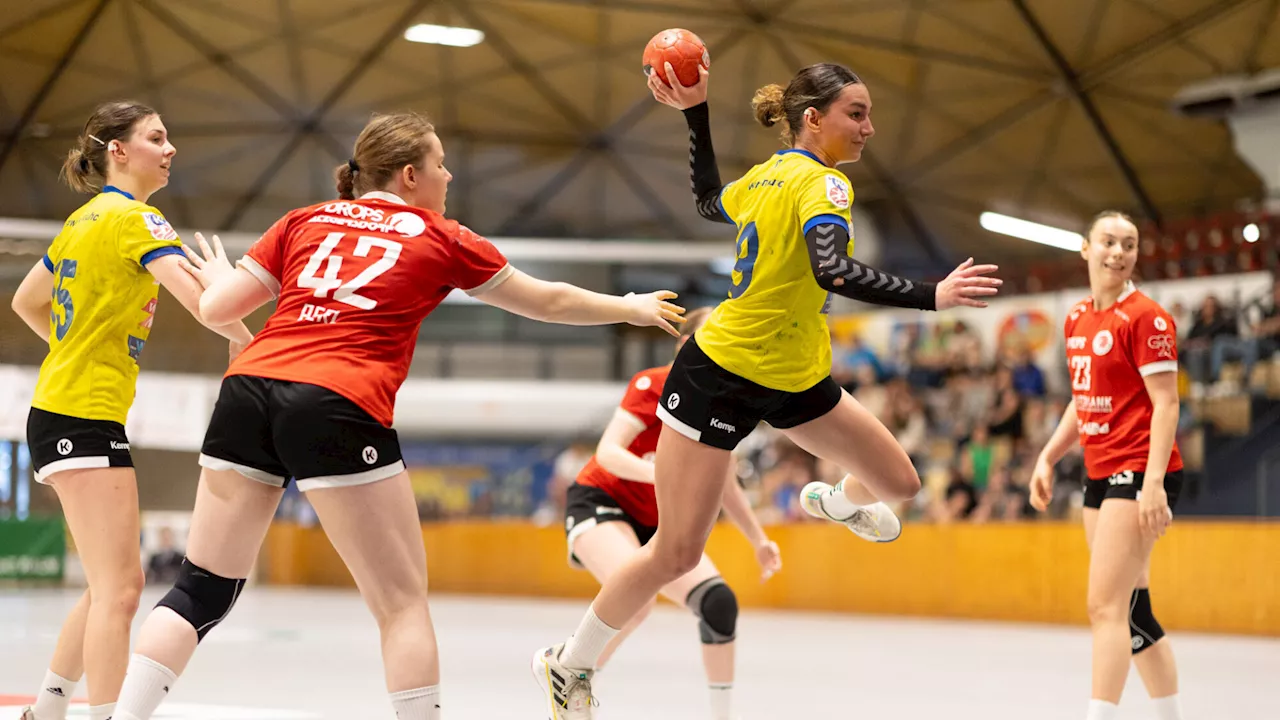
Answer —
315 313
359 217
1092 428
1077 342
1093 403
346 292
1162 344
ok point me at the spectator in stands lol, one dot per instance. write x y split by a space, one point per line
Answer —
906 420
1028 378
856 356
1266 327
163 565
1006 411
1215 334
963 347
959 500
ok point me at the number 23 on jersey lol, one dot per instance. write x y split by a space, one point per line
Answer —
330 282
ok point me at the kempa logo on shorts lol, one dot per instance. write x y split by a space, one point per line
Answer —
370 455
719 425
673 402
1137 643
119 445
65 447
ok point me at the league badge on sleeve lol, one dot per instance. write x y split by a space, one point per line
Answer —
838 192
159 228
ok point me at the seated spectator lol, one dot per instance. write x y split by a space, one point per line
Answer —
1006 410
977 456
1214 336
1028 378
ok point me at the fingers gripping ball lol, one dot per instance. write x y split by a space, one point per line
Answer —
684 50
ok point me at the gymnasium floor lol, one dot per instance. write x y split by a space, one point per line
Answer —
299 654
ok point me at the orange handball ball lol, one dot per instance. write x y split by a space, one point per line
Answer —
684 50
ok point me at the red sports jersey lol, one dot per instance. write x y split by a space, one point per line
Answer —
354 280
1109 353
641 403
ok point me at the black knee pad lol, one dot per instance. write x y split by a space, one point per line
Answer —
1144 631
715 604
201 598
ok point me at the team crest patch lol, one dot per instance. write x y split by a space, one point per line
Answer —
159 228
1161 325
838 192
644 383
1102 342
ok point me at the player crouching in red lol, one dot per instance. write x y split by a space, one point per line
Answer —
611 511
1123 358
311 399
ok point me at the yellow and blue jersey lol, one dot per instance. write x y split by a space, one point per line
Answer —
773 328
104 301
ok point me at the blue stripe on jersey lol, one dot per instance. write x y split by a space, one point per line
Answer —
114 189
47 262
825 220
724 212
159 253
805 153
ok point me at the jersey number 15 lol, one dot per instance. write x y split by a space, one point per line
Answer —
329 281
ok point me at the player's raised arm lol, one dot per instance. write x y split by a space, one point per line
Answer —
560 302
704 172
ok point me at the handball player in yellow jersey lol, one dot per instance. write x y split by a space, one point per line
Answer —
92 297
765 353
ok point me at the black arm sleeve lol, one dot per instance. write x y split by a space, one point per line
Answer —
702 161
838 273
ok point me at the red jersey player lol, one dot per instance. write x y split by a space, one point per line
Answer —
612 510
1123 359
311 398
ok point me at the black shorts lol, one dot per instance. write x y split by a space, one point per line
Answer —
274 430
62 442
587 506
706 403
1127 485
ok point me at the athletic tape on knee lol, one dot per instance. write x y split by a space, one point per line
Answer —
201 598
1144 631
717 607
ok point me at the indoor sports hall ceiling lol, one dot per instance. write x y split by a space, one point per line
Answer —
1046 109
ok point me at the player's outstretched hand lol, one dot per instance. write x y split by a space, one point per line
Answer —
678 96
209 264
966 285
1154 515
1041 485
653 310
770 559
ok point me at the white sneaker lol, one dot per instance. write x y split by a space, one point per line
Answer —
874 523
568 691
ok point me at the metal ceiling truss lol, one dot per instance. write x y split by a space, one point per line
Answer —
1091 113
33 106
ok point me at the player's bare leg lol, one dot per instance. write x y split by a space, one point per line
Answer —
101 507
228 524
717 645
376 530
602 550
1156 664
65 668
1119 552
690 489
850 436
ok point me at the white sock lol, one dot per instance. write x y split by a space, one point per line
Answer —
837 504
420 704
101 712
1102 710
55 695
146 684
585 647
1167 708
722 701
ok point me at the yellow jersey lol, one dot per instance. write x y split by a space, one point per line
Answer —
773 328
104 301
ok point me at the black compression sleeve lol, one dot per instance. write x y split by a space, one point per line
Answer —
702 161
838 273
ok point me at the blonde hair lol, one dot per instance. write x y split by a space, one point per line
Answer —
385 145
85 168
1103 216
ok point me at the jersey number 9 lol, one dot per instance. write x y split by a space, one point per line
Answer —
748 247
62 299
